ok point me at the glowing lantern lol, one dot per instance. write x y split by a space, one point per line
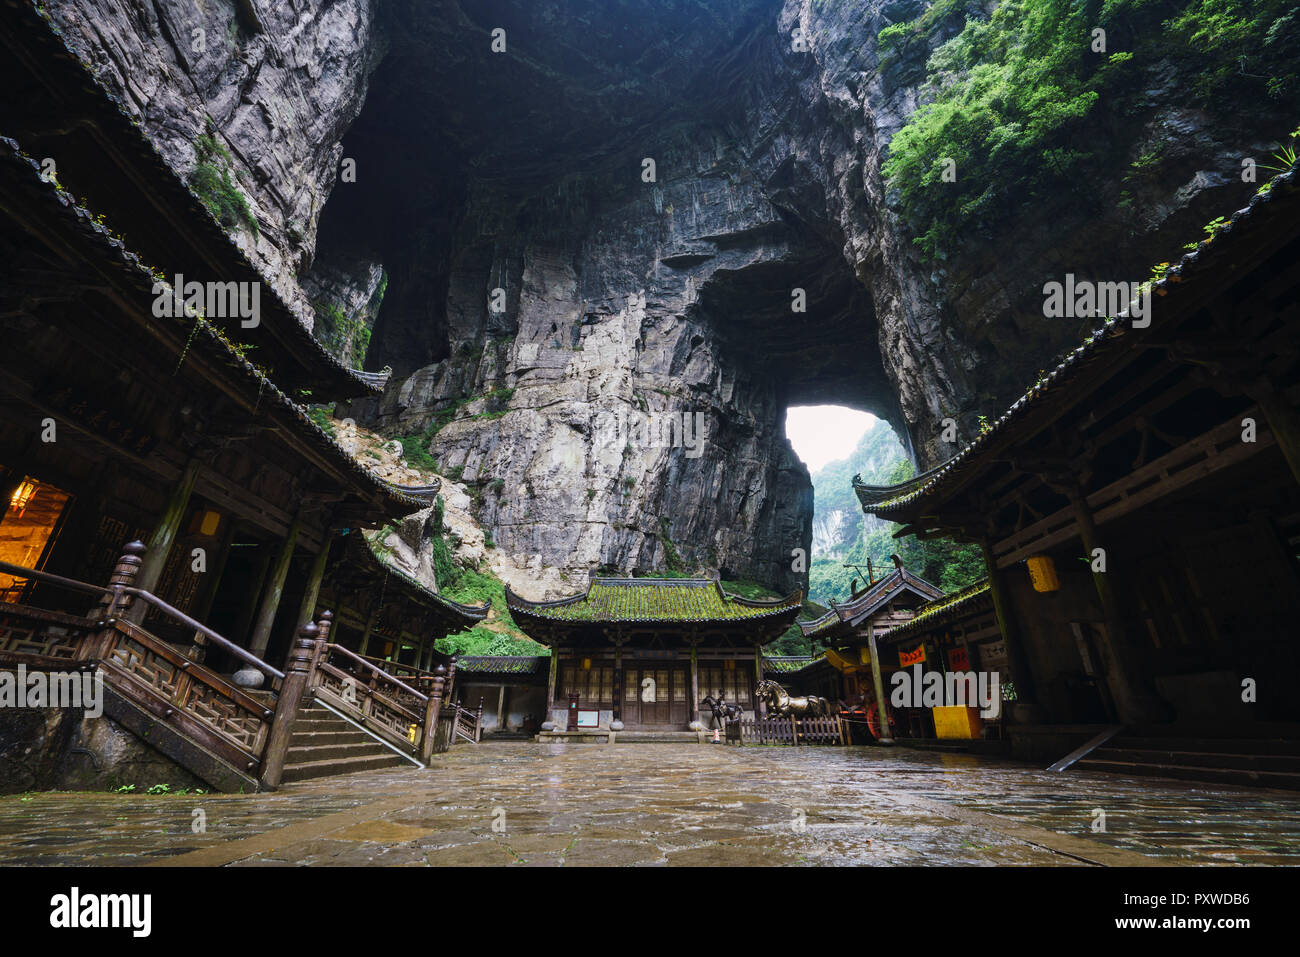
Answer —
22 496
1042 572
206 522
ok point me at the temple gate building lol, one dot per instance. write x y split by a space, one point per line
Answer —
644 651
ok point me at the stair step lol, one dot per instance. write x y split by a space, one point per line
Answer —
1288 763
312 753
348 736
321 769
1268 779
1204 745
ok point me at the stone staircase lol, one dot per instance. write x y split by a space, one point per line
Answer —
322 744
1258 762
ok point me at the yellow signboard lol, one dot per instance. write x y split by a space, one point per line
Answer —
957 722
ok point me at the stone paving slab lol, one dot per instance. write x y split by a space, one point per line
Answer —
527 804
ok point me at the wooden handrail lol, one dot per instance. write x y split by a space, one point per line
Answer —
414 671
152 599
379 671
224 643
72 584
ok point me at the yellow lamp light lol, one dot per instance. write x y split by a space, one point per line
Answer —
1042 572
22 496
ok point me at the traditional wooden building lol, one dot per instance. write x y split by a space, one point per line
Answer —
384 613
122 419
844 673
1138 508
644 651
510 689
957 633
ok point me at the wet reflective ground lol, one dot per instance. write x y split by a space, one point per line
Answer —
520 803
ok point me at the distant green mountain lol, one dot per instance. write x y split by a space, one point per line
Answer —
844 535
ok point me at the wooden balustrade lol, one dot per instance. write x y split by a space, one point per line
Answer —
151 680
248 733
383 704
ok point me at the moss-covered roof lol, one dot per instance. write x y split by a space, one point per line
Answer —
528 666
972 598
843 618
1066 382
632 600
454 612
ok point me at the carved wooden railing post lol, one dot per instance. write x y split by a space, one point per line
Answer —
322 639
292 688
431 709
124 575
116 604
478 721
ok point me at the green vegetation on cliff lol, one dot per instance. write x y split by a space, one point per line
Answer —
1032 101
214 185
848 537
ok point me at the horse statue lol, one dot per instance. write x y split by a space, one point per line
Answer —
722 712
781 703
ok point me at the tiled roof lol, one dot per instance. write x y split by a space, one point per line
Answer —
781 664
56 208
466 615
870 601
502 665
84 94
976 597
1105 344
655 600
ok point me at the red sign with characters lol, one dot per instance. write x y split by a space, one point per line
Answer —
958 659
914 657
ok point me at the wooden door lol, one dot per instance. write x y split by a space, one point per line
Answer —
668 691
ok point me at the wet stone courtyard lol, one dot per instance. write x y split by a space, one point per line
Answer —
521 803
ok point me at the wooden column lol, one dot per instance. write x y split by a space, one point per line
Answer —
274 589
1132 705
695 681
160 543
292 689
619 692
370 626
307 610
249 607
501 709
550 681
878 680
1017 661
1284 423
208 595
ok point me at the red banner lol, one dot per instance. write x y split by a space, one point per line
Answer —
958 659
914 657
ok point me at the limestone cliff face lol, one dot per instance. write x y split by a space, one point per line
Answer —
276 84
550 305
